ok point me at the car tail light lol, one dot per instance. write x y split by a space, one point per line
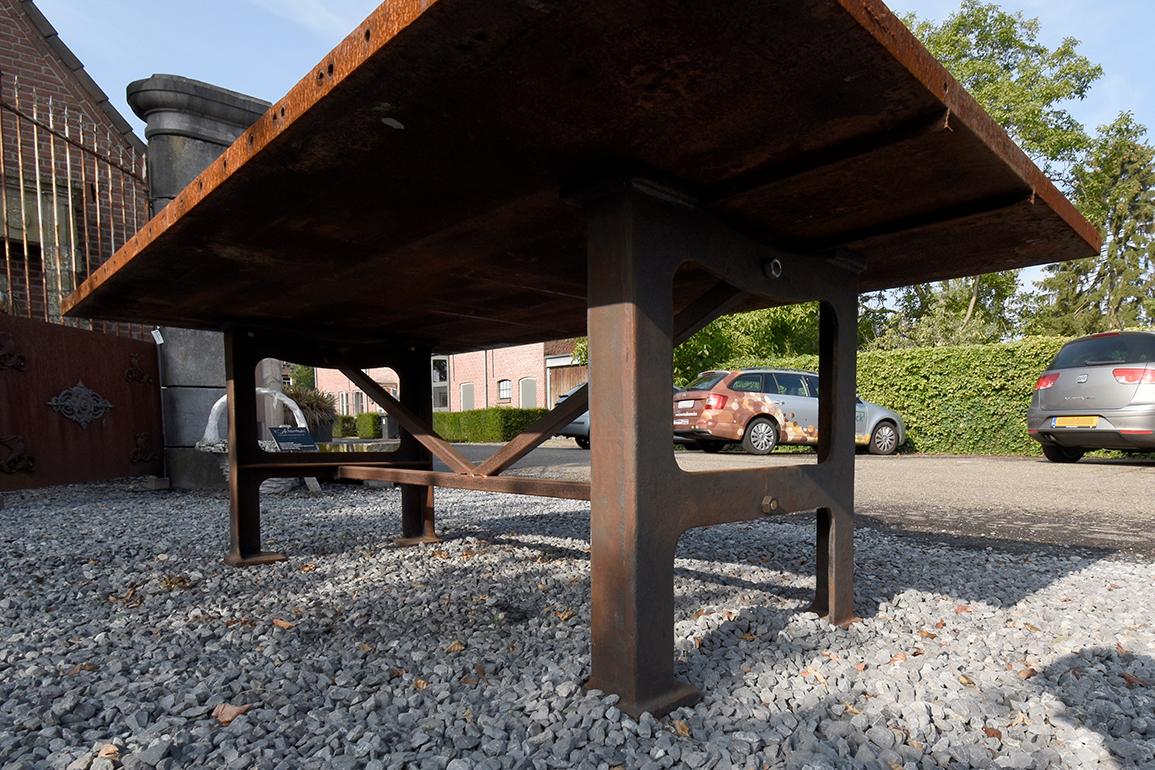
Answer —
1134 376
1046 381
715 401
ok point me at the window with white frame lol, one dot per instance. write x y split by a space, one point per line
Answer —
344 403
504 390
358 402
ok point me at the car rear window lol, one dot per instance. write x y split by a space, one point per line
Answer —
1128 348
706 380
747 383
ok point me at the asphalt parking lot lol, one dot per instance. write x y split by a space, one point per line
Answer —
1095 503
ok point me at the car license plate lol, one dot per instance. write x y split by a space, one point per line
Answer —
1075 422
681 422
686 404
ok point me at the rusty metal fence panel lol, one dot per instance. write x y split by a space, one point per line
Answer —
71 192
75 405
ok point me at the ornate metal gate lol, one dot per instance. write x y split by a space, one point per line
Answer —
78 401
75 405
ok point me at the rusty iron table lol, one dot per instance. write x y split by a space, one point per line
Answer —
465 174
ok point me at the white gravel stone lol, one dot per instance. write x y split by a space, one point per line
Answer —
121 625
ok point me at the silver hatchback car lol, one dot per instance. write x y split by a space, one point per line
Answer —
1098 393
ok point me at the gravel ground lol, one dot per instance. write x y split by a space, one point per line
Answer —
122 631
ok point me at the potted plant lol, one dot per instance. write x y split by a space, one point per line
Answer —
320 410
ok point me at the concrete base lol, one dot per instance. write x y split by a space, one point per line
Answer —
188 468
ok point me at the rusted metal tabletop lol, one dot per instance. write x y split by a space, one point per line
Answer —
473 173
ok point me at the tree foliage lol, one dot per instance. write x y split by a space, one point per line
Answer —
1025 86
1021 82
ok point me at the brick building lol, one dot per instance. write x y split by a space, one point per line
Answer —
71 168
520 376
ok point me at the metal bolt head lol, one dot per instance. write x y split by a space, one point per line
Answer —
769 504
772 268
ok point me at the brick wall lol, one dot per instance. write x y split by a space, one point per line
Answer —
333 381
490 367
107 204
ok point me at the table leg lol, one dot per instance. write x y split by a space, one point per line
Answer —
834 541
244 486
632 534
414 376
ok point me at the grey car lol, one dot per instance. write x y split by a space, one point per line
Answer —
579 429
763 408
1098 393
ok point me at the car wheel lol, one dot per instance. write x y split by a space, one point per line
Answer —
884 439
584 443
1062 454
711 447
761 437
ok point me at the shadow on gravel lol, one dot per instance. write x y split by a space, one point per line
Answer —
1110 691
1008 572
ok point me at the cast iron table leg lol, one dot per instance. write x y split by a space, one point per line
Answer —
632 535
244 486
838 341
415 379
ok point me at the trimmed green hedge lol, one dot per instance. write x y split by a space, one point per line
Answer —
496 424
369 425
969 399
345 426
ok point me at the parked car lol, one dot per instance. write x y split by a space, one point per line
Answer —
1098 393
762 408
579 429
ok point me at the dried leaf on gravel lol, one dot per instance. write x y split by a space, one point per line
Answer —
993 733
962 608
420 684
850 709
748 637
455 647
1031 627
284 625
109 751
681 728
898 657
307 567
1027 673
225 713
927 634
831 655
1119 648
1113 586
700 613
396 672
966 680
859 666
940 624
75 670
564 615
1134 681
1020 719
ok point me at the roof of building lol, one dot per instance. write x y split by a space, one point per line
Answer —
76 67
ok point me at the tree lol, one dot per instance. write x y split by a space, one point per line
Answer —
1023 84
1115 189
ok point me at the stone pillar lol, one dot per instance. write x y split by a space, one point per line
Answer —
188 124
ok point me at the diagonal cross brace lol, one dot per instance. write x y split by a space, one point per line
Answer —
417 427
720 299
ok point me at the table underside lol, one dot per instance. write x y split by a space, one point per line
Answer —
419 185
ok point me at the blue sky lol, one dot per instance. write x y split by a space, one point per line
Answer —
262 47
